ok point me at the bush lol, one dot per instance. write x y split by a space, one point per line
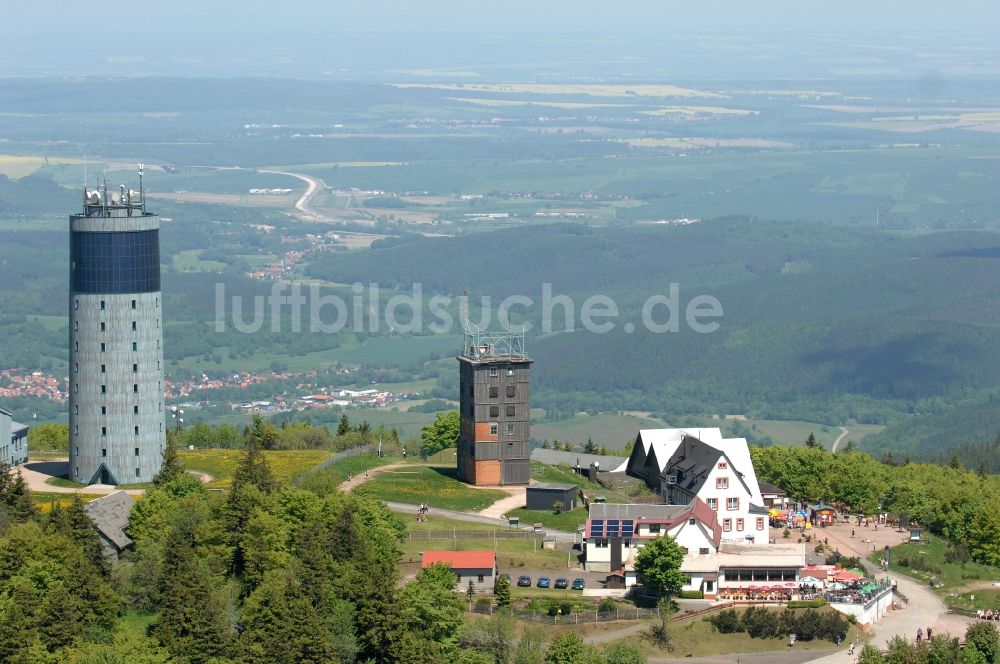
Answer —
760 623
566 607
692 594
807 604
726 622
553 608
607 604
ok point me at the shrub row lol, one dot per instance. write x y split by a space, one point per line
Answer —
807 603
762 623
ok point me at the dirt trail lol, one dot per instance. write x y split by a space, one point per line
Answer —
836 443
515 494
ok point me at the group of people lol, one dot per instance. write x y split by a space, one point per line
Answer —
422 511
987 614
920 634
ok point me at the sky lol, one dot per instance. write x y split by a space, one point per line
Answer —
508 15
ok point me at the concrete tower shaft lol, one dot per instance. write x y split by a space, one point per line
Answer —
116 341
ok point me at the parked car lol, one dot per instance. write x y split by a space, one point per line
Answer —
524 581
561 583
543 582
578 583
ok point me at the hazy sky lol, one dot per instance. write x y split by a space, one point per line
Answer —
102 19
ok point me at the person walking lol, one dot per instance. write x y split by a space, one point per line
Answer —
920 634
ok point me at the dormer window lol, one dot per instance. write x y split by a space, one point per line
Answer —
723 465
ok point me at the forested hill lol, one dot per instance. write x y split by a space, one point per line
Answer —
821 323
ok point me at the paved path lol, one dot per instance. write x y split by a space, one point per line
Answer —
35 473
925 609
491 514
836 443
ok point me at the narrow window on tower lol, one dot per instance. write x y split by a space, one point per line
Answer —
493 429
76 432
135 368
133 326
104 431
76 367
137 472
133 304
103 368
511 410
104 452
135 387
494 392
76 303
510 429
103 347
137 451
76 409
104 410
102 305
76 345
136 430
135 345
103 327
76 326
104 389
135 410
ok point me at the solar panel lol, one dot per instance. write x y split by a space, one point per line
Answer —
628 527
613 527
597 527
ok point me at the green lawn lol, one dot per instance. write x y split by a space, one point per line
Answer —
981 598
436 486
561 474
331 477
64 482
926 562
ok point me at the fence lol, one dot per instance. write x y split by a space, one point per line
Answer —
620 614
473 534
629 614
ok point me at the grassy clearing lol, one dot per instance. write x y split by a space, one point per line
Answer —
543 472
927 563
435 485
339 472
982 598
221 464
697 638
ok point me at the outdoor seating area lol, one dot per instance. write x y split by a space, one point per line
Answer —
987 614
776 593
856 592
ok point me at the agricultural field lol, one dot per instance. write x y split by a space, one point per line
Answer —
611 430
435 486
221 464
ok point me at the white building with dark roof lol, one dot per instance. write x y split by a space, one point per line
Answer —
685 464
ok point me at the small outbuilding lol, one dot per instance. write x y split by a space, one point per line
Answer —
543 495
110 515
480 567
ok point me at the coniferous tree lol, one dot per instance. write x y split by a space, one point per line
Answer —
191 622
61 618
501 592
171 468
344 427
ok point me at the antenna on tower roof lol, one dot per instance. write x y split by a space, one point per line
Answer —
142 195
